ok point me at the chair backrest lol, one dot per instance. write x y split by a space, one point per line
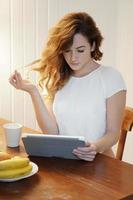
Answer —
126 127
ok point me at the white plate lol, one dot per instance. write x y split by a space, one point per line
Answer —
34 171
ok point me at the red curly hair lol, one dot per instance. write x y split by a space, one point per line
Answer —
53 69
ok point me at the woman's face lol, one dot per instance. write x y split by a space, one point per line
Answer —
78 56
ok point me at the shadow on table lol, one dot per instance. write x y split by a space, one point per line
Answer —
130 197
18 189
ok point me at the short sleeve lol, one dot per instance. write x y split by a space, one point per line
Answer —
113 81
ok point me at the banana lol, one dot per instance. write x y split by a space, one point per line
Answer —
4 155
14 163
15 173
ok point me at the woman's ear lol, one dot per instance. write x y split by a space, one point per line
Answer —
93 46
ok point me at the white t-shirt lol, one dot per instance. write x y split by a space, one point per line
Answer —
80 106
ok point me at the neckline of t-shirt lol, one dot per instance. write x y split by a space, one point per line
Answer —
87 75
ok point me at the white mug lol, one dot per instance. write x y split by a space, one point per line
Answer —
12 134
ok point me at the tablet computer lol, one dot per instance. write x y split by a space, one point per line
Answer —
52 145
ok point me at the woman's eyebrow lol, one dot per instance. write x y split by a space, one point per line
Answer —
79 47
76 47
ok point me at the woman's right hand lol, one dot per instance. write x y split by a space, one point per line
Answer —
21 84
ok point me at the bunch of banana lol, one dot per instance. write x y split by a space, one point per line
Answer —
15 167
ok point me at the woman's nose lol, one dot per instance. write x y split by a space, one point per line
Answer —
73 56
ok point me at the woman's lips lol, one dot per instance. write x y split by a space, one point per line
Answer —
74 63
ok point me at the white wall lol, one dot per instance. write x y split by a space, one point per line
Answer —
23 30
124 59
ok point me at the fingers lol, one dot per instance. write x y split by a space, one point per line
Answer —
84 152
87 148
87 153
13 81
16 80
87 157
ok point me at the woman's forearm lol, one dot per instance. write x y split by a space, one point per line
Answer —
106 142
46 122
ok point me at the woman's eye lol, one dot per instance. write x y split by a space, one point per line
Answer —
80 51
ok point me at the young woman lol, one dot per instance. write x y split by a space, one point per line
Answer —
86 98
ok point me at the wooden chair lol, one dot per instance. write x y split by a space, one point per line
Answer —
127 125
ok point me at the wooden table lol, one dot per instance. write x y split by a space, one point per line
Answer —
61 179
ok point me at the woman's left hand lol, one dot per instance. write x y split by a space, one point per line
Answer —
87 153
